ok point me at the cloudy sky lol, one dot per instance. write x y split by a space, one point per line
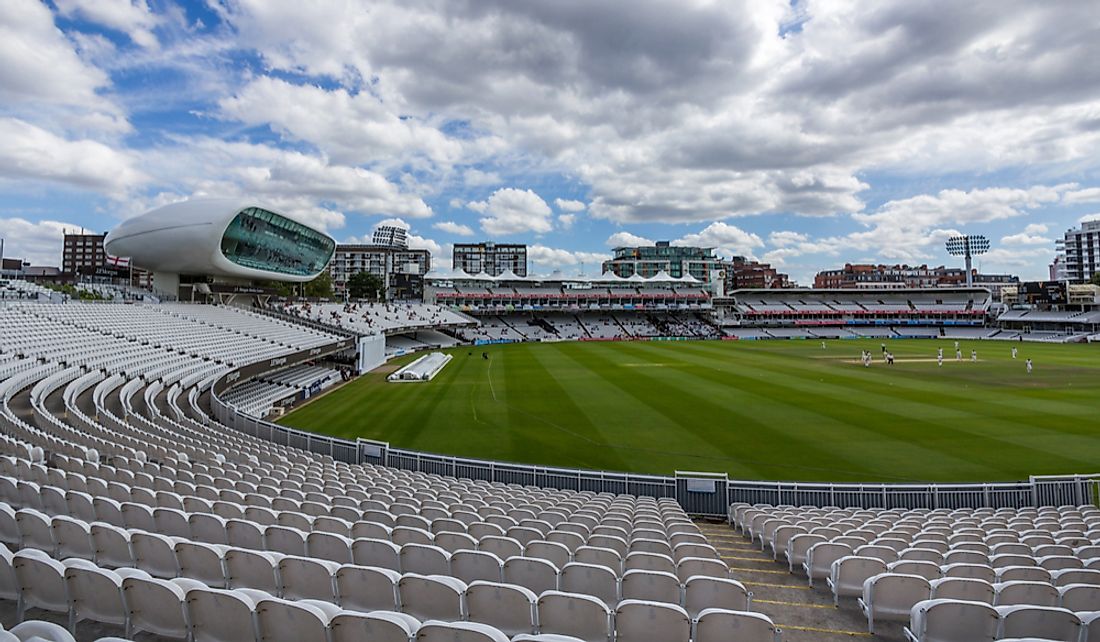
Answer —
805 133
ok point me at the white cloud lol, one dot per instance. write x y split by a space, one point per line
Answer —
786 238
565 221
513 211
38 242
1089 217
567 205
558 258
450 227
476 178
320 191
352 128
728 239
626 239
1031 235
42 77
1087 195
131 17
31 153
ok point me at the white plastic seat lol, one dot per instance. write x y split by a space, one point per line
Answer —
209 528
218 615
581 616
94 594
454 542
600 557
890 597
243 534
285 540
952 621
847 575
1033 593
306 578
648 562
557 554
41 582
1090 626
376 552
41 631
798 547
507 607
1069 576
471 566
1079 597
329 546
652 586
156 606
252 569
376 627
434 631
645 621
73 538
1022 621
9 584
1023 574
431 597
502 547
927 570
202 562
533 574
155 554
425 559
692 566
35 530
366 589
702 593
9 527
722 625
279 620
589 579
962 588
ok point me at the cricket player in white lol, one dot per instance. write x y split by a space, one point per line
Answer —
1028 363
1013 352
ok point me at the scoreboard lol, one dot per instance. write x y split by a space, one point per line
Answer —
1043 292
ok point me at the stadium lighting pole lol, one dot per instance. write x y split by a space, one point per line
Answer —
968 246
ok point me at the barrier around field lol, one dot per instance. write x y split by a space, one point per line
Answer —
699 493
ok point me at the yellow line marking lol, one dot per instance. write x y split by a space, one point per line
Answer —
799 604
812 629
749 559
759 570
801 587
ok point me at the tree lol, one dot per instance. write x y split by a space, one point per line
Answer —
364 285
1095 280
319 288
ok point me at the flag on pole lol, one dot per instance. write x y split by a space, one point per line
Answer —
118 261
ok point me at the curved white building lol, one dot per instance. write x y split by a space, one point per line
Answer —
222 237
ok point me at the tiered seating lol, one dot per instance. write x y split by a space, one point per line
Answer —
959 575
19 290
373 318
123 504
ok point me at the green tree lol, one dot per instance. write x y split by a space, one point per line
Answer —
364 285
320 288
1095 280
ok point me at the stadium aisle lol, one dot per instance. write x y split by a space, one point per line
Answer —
803 613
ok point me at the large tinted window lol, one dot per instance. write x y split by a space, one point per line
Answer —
263 240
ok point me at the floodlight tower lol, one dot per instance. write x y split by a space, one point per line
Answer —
967 246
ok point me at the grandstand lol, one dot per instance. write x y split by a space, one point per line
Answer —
846 313
140 495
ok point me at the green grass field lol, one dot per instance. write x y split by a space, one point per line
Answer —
757 410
